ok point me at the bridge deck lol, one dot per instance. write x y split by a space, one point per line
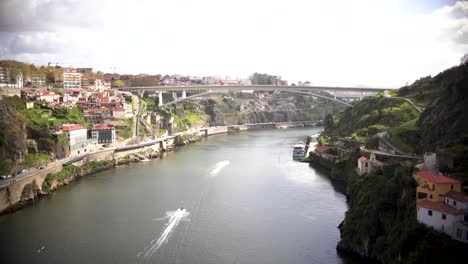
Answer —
255 87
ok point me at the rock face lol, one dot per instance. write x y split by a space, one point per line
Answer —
12 133
445 121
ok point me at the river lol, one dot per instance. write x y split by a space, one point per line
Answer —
245 201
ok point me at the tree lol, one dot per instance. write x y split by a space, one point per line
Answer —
328 122
118 83
464 59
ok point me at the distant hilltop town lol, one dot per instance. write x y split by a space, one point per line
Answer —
18 75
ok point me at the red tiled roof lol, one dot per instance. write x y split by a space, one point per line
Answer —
362 158
458 196
437 178
439 206
71 127
102 127
322 149
118 109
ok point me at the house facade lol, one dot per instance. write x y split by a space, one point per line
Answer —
434 187
71 79
103 134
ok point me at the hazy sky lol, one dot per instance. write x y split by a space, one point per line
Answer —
368 42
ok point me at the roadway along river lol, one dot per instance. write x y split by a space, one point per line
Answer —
245 201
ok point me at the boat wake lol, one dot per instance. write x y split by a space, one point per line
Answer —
174 219
218 167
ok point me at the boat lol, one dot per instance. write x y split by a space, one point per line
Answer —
299 151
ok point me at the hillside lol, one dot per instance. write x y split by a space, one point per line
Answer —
25 134
381 221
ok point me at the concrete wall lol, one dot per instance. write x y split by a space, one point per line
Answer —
217 130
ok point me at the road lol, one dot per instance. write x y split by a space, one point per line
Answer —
136 114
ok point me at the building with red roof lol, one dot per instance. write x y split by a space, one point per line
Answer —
104 134
365 165
441 204
433 187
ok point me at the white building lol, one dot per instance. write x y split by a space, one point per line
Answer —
77 137
38 80
370 165
7 81
71 79
449 216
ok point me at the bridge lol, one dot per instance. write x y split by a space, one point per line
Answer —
205 89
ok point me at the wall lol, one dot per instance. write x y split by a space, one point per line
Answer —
12 194
436 220
6 91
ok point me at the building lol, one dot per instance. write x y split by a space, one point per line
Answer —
8 79
118 113
441 205
84 70
439 215
77 137
434 187
103 134
38 81
71 79
370 165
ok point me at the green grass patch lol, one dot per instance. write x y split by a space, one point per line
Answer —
34 159
406 136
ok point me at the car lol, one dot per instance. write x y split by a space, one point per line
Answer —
41 167
23 171
2 177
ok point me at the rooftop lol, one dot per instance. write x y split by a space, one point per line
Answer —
439 206
322 149
101 127
70 127
458 196
440 179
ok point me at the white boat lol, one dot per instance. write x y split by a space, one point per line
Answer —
299 150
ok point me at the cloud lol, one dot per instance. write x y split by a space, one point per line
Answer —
50 15
328 43
37 42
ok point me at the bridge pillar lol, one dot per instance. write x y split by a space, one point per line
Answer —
362 95
174 95
160 95
184 94
141 94
334 95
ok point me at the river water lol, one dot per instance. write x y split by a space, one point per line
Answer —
245 201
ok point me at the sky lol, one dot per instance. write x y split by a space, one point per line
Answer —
371 43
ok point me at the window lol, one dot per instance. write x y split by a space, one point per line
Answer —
444 216
454 203
459 232
430 196
429 212
433 186
451 187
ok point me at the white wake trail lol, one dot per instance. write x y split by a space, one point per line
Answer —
218 167
174 218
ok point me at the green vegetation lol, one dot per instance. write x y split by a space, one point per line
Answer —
381 223
406 136
71 171
264 79
369 117
34 159
126 132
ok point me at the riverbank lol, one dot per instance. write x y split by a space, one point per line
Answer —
28 193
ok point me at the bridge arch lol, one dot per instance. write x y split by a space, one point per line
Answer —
283 91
